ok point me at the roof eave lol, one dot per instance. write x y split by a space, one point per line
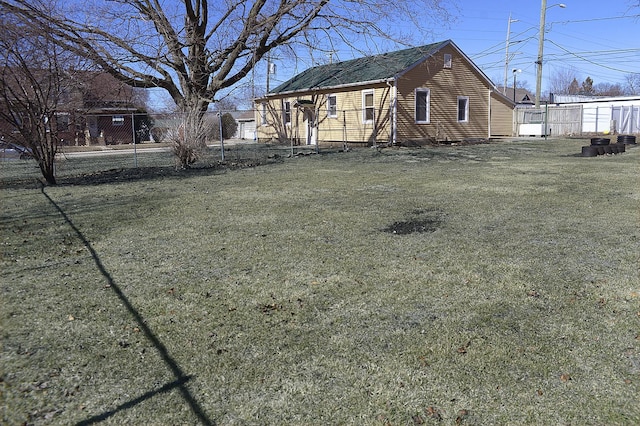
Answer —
329 88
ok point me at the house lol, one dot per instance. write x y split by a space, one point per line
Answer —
91 108
521 97
422 94
100 110
246 125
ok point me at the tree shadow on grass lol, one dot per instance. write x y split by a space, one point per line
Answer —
181 378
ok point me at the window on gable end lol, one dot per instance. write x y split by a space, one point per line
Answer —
447 60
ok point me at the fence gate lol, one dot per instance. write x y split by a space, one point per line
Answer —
564 120
627 119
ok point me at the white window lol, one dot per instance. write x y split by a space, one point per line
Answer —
332 106
447 60
368 112
263 114
422 105
117 120
286 112
463 109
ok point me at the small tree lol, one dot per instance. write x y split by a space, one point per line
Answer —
587 86
32 84
574 87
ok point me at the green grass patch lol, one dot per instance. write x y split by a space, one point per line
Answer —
482 284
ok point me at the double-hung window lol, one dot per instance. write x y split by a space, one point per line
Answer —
422 105
286 112
263 115
463 109
367 106
332 106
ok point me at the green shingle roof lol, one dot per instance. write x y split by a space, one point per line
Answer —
361 70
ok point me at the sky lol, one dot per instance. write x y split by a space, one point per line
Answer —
589 38
594 38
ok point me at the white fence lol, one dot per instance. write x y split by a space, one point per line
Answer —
577 119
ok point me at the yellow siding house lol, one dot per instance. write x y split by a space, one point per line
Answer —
432 93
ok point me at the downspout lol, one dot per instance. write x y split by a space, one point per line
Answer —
394 108
489 116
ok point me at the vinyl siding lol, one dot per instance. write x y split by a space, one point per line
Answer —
501 116
348 124
445 85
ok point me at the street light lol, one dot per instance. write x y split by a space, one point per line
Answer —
515 72
543 13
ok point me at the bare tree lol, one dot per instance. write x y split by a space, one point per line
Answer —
632 84
560 82
194 49
608 89
33 82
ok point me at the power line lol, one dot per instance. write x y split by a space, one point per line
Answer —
590 61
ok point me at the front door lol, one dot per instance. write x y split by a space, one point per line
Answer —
310 126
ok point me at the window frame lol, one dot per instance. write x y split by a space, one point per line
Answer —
365 108
447 61
465 119
427 106
117 120
263 114
332 110
286 113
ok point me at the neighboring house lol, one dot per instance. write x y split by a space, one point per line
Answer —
100 110
95 109
422 94
246 124
521 97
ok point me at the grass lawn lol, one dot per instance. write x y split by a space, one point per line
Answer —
481 284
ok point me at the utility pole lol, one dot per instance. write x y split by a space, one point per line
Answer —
268 71
506 54
271 69
543 13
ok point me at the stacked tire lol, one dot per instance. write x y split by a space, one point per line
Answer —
602 146
627 139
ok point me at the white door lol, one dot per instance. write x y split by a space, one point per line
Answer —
310 127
